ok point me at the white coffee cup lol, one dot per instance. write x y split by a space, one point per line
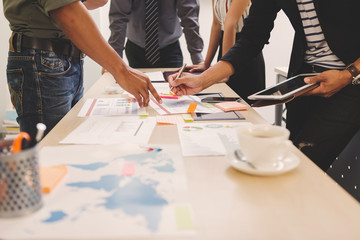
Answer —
265 146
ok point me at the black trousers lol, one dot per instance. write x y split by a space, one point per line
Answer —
170 56
321 127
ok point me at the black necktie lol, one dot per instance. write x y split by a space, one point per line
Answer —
152 52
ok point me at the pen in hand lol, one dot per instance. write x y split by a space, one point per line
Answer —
179 74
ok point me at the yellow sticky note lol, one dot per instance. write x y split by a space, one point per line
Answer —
183 218
192 107
51 176
143 112
187 117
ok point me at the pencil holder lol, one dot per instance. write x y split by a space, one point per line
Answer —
20 190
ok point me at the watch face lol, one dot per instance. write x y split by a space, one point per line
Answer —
356 81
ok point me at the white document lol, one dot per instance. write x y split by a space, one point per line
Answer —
181 105
209 139
109 192
162 87
112 130
109 107
156 76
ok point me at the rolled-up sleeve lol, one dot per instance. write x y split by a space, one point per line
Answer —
119 15
188 12
254 35
49 5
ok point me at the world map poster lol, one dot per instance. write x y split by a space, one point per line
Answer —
110 191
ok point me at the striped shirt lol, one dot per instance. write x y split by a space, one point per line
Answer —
221 7
318 51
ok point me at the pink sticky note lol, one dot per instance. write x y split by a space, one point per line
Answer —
231 106
128 169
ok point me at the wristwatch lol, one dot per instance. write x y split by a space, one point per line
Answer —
355 73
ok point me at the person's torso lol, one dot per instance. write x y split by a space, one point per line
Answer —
337 20
31 17
169 24
221 8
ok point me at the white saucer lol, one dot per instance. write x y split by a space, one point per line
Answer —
288 164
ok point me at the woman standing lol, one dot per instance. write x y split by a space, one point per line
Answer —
228 20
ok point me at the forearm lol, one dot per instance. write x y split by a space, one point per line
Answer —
237 9
93 4
215 35
216 73
77 24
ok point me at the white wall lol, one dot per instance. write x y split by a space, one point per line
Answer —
4 38
276 53
92 70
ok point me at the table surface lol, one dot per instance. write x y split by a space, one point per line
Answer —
228 204
283 71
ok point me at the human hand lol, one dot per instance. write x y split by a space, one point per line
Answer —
200 67
187 84
330 81
139 85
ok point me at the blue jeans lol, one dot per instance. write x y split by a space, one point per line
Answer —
170 56
43 87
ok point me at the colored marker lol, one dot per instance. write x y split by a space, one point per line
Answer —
18 142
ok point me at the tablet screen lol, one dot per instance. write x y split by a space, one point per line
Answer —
284 89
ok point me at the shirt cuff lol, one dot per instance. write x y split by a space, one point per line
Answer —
197 58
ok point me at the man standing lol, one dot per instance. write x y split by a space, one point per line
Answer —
155 25
45 61
322 123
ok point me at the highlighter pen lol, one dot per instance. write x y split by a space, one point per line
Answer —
179 74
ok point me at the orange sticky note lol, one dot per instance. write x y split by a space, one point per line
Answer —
192 107
51 176
231 106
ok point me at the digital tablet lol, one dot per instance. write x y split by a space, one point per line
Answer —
286 89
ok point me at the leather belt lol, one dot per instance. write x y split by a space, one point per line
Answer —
317 69
58 46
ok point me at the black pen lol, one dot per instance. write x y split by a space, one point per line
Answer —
179 74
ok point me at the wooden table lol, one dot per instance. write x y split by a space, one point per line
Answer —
228 204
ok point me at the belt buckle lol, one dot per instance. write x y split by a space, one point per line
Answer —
313 69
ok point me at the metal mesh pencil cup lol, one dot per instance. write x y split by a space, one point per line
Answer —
20 189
